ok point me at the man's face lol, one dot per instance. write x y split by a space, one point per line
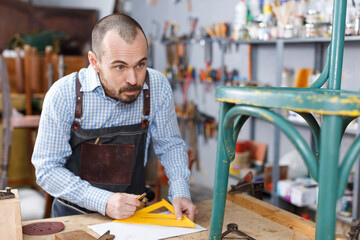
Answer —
122 67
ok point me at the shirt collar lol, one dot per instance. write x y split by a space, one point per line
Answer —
92 81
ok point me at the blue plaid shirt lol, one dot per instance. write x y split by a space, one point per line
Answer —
52 146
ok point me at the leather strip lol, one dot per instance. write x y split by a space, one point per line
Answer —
79 98
78 107
146 108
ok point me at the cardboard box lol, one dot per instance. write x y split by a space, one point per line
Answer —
303 195
284 187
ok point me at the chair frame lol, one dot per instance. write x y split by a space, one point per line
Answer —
338 108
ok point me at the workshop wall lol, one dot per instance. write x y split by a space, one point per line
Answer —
208 12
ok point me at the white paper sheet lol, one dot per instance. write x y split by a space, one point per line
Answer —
126 231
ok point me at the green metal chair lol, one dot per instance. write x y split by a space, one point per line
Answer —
338 108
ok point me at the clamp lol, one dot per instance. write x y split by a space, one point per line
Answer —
233 228
245 185
7 194
354 229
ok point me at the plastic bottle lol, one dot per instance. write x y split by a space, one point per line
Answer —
254 7
267 11
240 18
240 13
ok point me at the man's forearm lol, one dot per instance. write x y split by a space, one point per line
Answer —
61 183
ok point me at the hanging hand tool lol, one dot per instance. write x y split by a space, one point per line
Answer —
208 54
210 32
188 3
150 62
193 24
190 110
166 25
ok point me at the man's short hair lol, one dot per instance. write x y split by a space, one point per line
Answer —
124 25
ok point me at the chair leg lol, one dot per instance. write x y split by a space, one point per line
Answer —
328 177
221 179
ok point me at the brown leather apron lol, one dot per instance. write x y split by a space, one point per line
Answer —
108 158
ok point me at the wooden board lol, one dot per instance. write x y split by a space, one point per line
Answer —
278 215
275 214
255 225
10 218
249 222
72 223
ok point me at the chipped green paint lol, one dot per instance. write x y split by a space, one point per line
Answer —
315 98
257 91
236 101
299 99
334 99
352 113
351 100
270 119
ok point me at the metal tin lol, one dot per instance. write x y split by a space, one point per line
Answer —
349 29
243 33
288 31
311 30
264 31
312 16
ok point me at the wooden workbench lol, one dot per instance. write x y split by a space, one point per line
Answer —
256 218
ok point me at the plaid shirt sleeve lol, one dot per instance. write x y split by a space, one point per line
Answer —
52 149
168 145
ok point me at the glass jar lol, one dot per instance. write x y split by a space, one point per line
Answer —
349 29
313 16
264 31
298 26
311 30
288 31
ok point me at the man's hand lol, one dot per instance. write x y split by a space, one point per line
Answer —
184 206
121 205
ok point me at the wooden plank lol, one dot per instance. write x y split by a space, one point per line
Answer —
278 215
253 224
10 218
275 214
72 223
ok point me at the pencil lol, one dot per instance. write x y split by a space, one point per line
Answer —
141 197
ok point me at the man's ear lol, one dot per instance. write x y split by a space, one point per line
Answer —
93 61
